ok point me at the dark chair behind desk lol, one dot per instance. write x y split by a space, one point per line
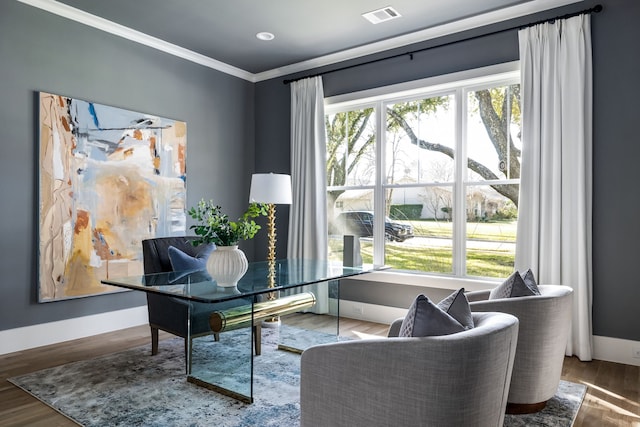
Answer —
172 314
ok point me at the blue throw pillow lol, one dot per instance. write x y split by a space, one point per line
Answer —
181 261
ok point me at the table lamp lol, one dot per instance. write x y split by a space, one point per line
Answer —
272 189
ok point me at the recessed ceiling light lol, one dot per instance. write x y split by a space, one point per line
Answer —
381 15
265 36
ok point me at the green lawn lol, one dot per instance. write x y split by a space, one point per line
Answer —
483 260
504 231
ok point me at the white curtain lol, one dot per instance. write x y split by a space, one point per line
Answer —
554 222
308 215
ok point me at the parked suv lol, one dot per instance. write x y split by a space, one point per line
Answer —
360 223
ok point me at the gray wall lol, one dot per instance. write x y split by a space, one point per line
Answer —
616 201
40 51
43 52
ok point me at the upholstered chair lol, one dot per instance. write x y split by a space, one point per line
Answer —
460 379
172 314
545 320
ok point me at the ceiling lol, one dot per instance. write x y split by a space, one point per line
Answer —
308 34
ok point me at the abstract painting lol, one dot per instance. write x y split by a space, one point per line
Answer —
109 178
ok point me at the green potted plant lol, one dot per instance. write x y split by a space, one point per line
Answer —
213 226
227 264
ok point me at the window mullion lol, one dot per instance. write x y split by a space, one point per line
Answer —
379 191
459 210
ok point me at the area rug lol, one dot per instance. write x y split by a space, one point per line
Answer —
131 388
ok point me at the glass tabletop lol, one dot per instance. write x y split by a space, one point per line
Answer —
206 362
197 285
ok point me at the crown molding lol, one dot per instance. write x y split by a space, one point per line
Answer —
111 27
530 7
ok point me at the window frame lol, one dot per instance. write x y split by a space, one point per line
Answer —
459 84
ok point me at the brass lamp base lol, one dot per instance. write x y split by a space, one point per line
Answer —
272 322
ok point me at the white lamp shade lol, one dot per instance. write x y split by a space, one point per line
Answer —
270 188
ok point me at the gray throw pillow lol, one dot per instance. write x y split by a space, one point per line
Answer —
457 306
425 319
530 281
514 286
181 261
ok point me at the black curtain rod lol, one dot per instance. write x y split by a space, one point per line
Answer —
595 9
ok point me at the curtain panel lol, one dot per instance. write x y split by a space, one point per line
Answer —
555 212
308 214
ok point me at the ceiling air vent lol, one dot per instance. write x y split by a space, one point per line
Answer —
381 15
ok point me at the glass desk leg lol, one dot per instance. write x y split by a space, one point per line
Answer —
225 366
319 324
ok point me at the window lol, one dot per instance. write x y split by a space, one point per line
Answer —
428 178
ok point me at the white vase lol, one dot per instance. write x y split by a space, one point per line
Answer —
226 265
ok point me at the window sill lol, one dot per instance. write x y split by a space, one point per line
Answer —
427 280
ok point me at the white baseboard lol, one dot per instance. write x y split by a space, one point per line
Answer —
370 312
12 340
604 348
616 350
33 336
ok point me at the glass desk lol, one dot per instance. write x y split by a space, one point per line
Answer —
297 283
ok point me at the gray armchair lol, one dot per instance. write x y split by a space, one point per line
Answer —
172 314
545 320
451 380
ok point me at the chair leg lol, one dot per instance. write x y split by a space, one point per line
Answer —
257 338
154 341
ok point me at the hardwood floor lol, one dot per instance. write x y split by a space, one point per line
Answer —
613 390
